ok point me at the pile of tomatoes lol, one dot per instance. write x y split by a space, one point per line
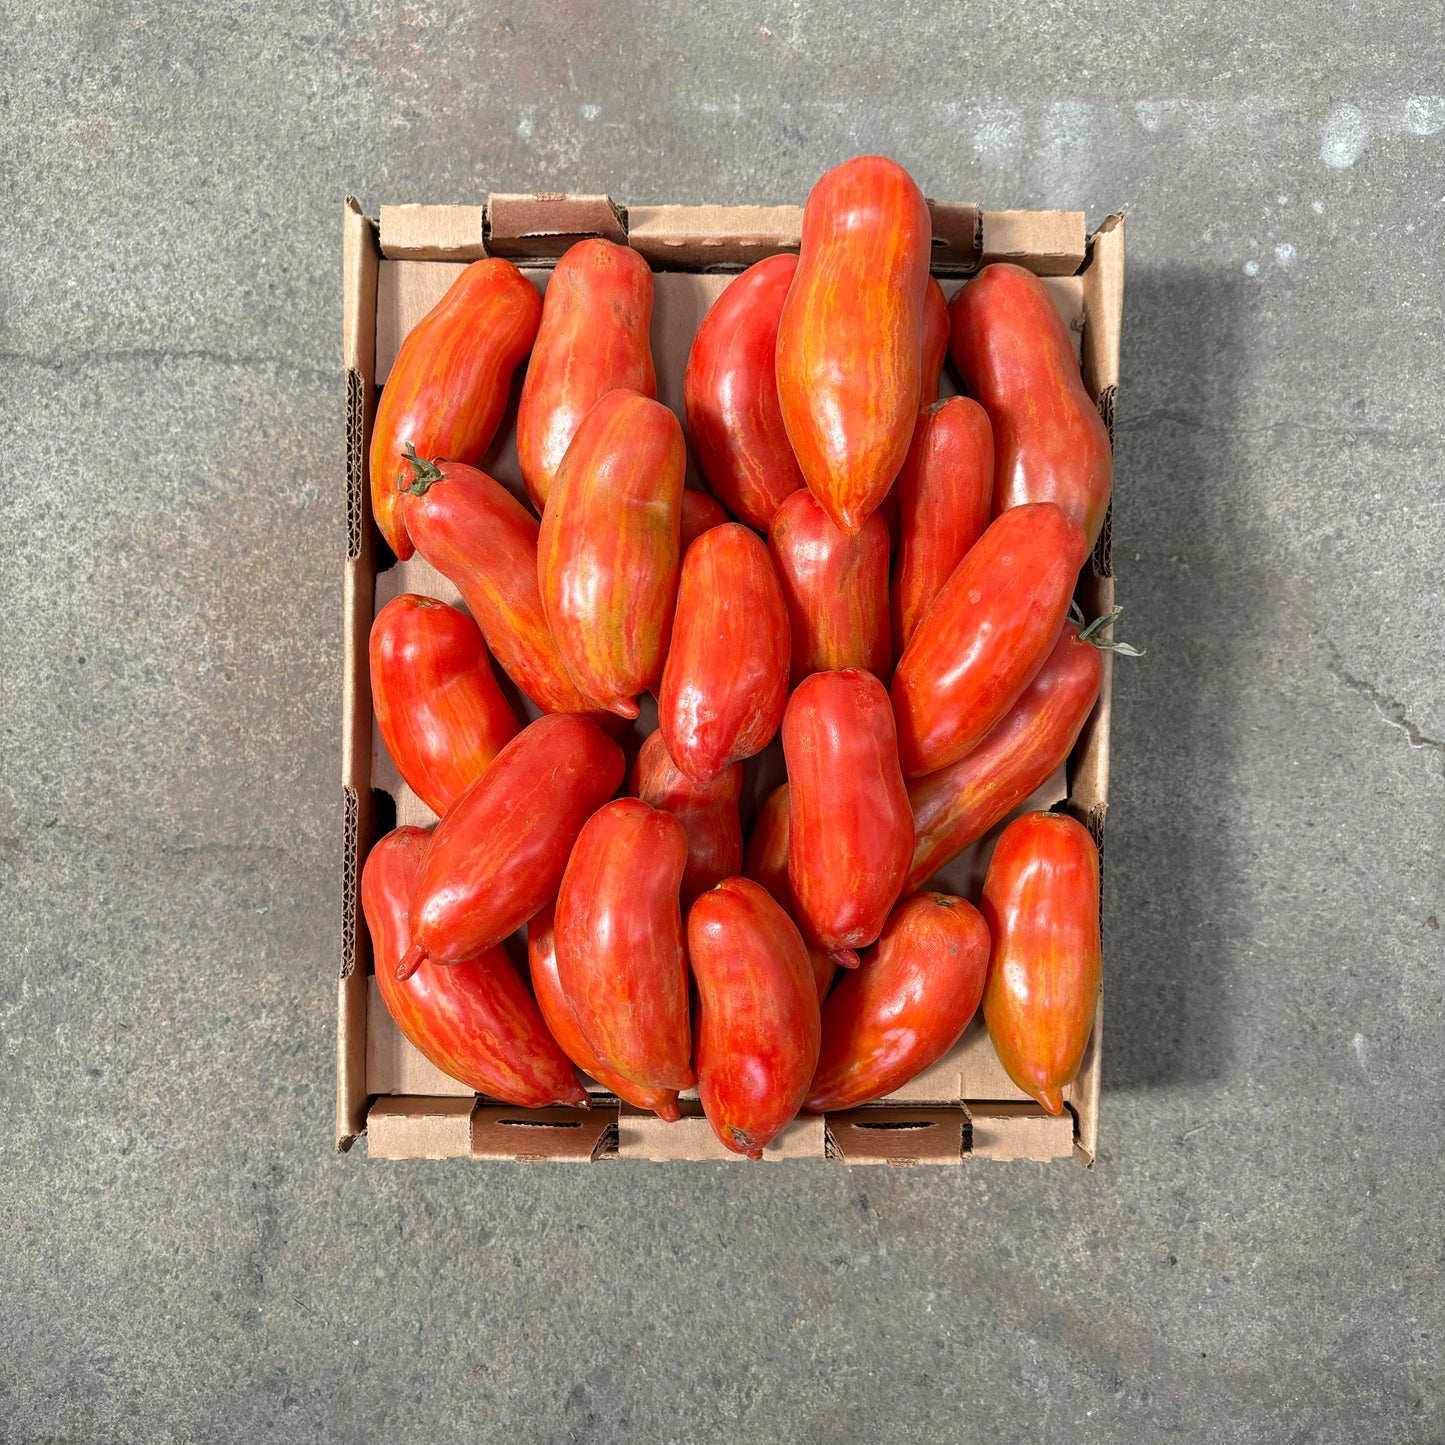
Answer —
893 599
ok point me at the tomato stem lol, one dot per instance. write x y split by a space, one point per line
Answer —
424 473
1089 632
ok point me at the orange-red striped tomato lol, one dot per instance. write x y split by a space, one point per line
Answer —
730 389
449 383
619 941
481 538
700 513
849 824
1013 351
594 338
985 635
836 588
850 338
708 814
757 1025
558 1015
1041 903
725 683
935 344
945 493
906 1005
474 1019
607 557
439 710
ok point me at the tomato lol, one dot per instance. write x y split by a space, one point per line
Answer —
483 540
730 390
558 1015
595 338
1013 351
944 493
850 826
725 682
985 635
619 940
708 814
449 383
498 854
934 349
958 805
757 1025
905 1006
850 338
474 1020
1041 903
437 706
607 557
836 588
700 513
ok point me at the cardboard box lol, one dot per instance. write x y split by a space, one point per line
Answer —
964 1107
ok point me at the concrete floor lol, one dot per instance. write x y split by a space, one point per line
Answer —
1257 1255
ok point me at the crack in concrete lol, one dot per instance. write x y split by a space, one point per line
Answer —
1391 712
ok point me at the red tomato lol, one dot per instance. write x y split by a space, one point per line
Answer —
480 537
439 710
850 826
619 941
725 682
851 334
700 513
731 393
985 635
475 1019
557 1012
498 854
944 493
1013 351
757 1027
836 588
708 814
449 383
1041 902
957 806
907 1004
607 557
595 338
935 344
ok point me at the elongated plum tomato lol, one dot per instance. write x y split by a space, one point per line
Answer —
905 1006
934 350
1041 903
849 824
836 589
730 390
945 492
1013 351
594 338
449 383
439 710
559 1018
725 683
484 541
985 635
851 334
619 940
757 1026
474 1019
607 555
959 804
700 513
499 853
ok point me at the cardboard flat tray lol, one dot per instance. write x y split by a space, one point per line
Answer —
395 269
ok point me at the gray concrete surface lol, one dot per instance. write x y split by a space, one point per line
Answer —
182 1257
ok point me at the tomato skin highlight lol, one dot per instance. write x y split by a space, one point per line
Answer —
1013 351
906 1004
475 1019
985 635
1041 903
850 338
594 338
758 1019
730 390
449 383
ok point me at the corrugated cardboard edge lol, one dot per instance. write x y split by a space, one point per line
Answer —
900 1135
1048 243
420 1128
538 1136
1010 1131
433 233
543 226
641 1135
697 237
